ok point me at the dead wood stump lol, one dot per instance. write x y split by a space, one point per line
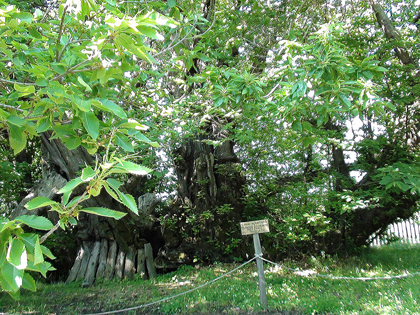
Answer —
105 260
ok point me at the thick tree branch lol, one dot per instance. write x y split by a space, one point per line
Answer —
416 18
391 33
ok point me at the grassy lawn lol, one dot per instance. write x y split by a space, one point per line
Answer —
287 292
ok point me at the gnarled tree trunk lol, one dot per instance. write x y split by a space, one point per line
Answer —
96 236
203 221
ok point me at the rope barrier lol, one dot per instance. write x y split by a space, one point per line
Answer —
179 294
295 270
347 278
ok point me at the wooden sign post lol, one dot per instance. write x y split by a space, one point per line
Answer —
254 228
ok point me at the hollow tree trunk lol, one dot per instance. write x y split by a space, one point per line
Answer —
203 221
95 235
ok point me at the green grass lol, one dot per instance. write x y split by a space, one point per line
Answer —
238 293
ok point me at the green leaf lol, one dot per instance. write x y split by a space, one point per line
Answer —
66 197
297 126
114 183
171 3
15 120
150 32
319 73
72 142
13 277
295 88
16 254
59 68
307 125
76 199
36 222
132 168
87 174
42 82
125 199
70 185
133 124
24 89
111 192
24 17
124 143
63 131
72 221
28 282
17 138
62 224
129 202
140 51
110 106
3 222
29 239
83 105
386 180
346 101
34 33
218 101
91 148
42 268
4 226
39 202
91 124
38 256
163 20
82 82
381 69
3 250
306 141
367 74
43 125
104 212
390 106
141 137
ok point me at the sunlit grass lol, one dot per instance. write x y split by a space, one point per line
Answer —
238 293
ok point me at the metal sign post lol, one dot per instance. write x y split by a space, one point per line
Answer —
254 228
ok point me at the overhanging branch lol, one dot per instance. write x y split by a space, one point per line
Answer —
391 33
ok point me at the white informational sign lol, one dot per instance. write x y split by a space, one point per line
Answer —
255 227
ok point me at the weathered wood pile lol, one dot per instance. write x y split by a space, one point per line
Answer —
105 260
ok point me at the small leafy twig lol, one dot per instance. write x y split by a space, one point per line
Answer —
50 7
87 69
15 82
68 44
272 90
12 107
60 33
106 159
71 70
57 225
46 235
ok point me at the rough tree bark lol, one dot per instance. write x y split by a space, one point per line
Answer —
128 234
203 220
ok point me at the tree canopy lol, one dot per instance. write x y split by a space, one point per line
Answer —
303 112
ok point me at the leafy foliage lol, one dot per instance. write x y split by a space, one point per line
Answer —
320 99
57 77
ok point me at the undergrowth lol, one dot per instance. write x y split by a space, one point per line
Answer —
287 292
